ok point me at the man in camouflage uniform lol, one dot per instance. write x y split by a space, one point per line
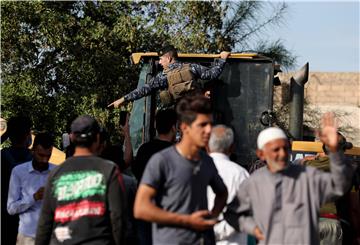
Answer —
178 73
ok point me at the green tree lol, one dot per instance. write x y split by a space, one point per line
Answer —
62 59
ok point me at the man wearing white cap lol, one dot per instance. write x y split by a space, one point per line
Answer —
279 204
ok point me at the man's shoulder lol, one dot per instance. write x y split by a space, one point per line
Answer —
225 163
83 163
15 156
22 167
154 144
166 153
239 169
259 173
235 171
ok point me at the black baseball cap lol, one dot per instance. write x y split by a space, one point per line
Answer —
85 126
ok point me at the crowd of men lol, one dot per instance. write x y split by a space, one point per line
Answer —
174 192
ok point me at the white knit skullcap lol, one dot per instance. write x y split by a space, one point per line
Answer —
268 135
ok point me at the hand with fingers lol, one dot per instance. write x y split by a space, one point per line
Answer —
199 220
328 132
117 103
39 194
224 55
258 234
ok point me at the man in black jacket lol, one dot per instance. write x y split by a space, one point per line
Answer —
84 197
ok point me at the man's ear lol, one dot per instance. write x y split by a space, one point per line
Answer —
231 149
72 137
98 138
183 127
96 145
260 154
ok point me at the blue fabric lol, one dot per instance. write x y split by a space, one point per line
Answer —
24 182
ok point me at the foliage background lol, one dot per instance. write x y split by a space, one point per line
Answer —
63 59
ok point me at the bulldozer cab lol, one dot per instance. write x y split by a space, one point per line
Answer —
242 98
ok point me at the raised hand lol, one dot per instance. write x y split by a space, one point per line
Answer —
328 133
117 103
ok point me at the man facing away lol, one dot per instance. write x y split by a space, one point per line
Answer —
84 196
279 204
177 78
165 124
26 188
19 133
172 192
221 144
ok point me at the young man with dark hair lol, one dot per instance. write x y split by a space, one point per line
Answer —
177 79
84 197
26 188
172 192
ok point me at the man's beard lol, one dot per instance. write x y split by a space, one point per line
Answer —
277 166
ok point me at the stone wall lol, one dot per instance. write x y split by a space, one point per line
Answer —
325 88
327 91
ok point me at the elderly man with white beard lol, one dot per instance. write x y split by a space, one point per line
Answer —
279 204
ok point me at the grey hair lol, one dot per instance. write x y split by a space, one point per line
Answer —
221 141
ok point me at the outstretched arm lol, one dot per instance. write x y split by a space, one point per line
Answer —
117 103
157 82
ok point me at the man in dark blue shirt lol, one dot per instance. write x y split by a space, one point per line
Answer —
169 62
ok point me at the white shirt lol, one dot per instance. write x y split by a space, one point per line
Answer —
233 175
